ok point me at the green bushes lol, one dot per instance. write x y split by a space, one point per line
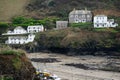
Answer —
9 51
51 4
117 19
6 78
48 23
112 30
75 38
82 25
3 27
23 21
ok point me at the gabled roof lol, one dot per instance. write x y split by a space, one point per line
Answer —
100 16
19 27
80 12
61 21
36 26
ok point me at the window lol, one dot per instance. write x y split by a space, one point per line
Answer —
88 16
97 25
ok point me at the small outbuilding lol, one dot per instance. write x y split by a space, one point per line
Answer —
61 24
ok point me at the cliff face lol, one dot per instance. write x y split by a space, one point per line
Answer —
75 41
18 67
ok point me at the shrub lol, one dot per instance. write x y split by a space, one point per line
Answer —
51 4
9 51
87 25
6 78
3 27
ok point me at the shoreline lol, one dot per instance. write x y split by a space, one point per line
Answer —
73 73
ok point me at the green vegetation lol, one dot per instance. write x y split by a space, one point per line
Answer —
6 78
82 25
3 27
23 21
112 30
9 51
17 63
117 20
78 40
48 23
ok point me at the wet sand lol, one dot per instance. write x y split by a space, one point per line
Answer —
73 73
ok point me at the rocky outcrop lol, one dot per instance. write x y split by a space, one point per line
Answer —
16 66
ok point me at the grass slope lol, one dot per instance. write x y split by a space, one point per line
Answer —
10 8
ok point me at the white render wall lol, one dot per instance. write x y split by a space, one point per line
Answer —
80 16
30 29
19 30
20 39
23 39
34 29
101 21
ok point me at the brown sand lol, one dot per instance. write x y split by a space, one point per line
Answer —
72 73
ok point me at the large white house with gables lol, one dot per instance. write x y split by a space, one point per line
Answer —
21 36
80 16
101 21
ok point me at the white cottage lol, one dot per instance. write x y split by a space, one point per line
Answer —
34 29
17 30
20 39
14 38
101 21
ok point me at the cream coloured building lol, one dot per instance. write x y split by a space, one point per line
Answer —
80 16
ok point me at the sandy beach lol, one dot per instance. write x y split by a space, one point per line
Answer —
72 73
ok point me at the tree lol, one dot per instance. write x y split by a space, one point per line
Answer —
3 27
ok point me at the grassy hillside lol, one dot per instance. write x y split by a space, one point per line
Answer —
42 8
10 8
61 8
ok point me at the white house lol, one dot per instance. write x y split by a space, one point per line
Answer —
101 21
20 39
77 16
61 24
30 38
34 29
17 30
15 38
